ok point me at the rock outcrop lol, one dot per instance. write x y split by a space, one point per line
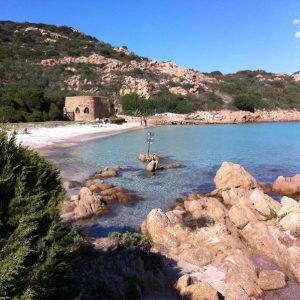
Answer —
142 87
195 291
213 238
152 166
226 117
289 186
95 198
271 280
148 158
187 81
234 176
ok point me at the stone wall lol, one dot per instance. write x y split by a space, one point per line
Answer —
87 108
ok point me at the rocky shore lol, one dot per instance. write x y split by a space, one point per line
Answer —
225 117
95 196
236 241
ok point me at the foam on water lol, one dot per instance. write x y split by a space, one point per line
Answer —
266 150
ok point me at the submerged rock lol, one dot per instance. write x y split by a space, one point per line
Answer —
71 184
173 166
108 172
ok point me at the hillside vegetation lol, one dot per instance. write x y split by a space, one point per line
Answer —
41 64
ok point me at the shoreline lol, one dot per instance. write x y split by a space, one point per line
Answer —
225 117
44 139
45 136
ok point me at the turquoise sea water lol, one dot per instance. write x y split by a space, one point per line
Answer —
266 150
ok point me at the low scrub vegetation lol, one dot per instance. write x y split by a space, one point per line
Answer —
248 102
131 239
116 120
35 246
161 102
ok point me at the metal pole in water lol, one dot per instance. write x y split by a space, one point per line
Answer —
150 140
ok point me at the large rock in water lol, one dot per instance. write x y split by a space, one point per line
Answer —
288 186
108 172
232 175
152 166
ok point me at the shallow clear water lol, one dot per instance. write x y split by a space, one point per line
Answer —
266 150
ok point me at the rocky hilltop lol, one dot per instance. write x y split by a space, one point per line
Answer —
235 241
59 61
167 71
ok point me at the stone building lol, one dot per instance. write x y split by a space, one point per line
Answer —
87 108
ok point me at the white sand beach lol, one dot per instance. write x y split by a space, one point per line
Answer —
40 137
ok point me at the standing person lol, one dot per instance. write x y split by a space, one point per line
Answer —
145 122
142 121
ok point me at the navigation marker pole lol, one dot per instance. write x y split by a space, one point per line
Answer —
150 140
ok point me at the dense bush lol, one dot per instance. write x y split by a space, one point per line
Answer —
276 92
161 102
116 120
213 101
34 243
131 239
248 102
31 104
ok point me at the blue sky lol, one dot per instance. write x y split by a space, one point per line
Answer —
208 35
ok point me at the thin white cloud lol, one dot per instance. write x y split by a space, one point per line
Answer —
297 35
296 22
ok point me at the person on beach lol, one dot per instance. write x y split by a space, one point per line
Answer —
142 122
25 131
145 122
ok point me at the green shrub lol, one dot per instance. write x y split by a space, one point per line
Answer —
248 102
216 74
35 246
132 104
54 112
116 120
214 102
131 239
10 114
161 102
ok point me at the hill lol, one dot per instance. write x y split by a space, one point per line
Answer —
40 64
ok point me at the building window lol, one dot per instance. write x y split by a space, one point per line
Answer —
77 110
86 110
